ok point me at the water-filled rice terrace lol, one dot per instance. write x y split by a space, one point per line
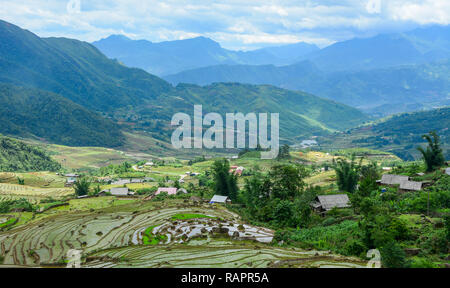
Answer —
157 234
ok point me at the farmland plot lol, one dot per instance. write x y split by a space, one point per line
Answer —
113 237
14 191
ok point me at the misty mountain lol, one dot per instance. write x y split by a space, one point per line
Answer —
171 57
380 91
70 79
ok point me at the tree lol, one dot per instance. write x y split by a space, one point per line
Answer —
393 256
82 187
20 181
284 152
432 156
287 181
347 174
225 183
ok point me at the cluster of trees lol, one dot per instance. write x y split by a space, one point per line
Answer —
18 156
115 169
21 205
279 198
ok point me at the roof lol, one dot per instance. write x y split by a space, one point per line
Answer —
182 190
170 191
219 199
447 171
411 185
119 191
328 202
389 179
72 175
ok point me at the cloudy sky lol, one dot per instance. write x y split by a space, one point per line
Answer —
236 24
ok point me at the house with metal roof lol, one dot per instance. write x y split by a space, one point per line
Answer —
170 191
119 191
328 202
411 186
389 179
220 199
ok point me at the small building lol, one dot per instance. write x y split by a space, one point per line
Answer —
411 186
170 191
120 192
325 203
149 164
121 182
71 179
220 199
447 171
137 180
182 190
389 179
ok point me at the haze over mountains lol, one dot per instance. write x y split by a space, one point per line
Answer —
381 75
65 91
171 57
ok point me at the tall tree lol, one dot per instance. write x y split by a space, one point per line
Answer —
433 156
225 182
347 174
82 187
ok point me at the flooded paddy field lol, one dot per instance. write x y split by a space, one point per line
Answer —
154 235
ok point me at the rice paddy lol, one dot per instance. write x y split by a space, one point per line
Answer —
149 234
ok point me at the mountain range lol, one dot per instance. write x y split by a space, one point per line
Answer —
382 75
66 91
380 91
171 57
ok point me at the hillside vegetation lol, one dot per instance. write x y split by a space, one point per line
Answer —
33 113
400 134
78 72
18 156
379 91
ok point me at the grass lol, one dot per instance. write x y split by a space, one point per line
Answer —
190 216
7 223
87 157
150 239
93 203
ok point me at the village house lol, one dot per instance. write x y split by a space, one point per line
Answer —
324 203
404 183
237 170
220 199
71 179
170 191
389 179
120 192
406 186
447 171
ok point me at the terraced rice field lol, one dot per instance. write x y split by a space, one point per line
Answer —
33 194
112 237
226 254
34 179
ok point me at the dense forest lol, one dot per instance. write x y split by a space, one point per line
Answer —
33 113
18 156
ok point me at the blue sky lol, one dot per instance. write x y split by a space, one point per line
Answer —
234 24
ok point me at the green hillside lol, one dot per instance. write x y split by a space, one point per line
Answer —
18 156
378 91
33 113
73 69
77 71
400 134
301 114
